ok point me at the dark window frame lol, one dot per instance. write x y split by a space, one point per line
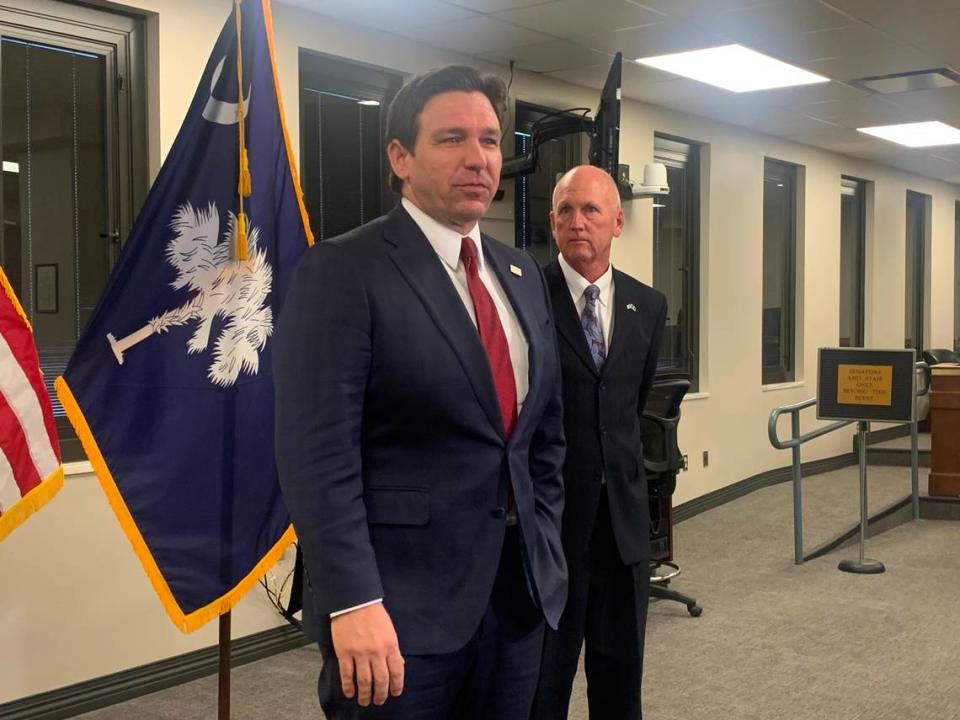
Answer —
324 73
692 219
920 271
956 275
860 192
784 373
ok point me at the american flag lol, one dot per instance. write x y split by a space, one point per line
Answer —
30 469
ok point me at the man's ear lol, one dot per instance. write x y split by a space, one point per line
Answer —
553 224
618 228
398 156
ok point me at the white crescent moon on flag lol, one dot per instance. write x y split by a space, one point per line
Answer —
220 111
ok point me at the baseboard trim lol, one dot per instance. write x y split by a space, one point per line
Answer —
692 508
110 689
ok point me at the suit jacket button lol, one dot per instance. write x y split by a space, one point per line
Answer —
603 386
498 512
603 429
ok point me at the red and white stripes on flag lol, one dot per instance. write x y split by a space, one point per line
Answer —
30 469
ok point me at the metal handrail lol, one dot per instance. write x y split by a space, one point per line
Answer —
797 439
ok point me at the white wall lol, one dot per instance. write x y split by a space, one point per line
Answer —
75 603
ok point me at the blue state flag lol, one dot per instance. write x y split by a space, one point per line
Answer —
170 387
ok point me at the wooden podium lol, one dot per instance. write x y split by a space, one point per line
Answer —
945 429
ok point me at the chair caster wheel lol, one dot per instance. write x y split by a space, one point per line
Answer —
694 610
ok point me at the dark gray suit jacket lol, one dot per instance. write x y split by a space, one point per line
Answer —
602 415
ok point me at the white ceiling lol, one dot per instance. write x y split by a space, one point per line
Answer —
574 41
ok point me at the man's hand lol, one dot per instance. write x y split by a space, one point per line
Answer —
367 649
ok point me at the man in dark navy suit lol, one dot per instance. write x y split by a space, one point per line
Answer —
420 433
609 328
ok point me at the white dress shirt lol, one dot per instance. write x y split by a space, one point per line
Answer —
577 284
447 243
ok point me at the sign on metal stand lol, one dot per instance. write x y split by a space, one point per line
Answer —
866 385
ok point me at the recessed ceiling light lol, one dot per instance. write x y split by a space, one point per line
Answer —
733 67
918 134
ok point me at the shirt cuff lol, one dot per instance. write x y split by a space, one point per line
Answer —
355 607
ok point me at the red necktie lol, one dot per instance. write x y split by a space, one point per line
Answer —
492 337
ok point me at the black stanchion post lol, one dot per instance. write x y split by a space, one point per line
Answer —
223 696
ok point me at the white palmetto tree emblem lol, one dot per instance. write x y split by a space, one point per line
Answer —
221 288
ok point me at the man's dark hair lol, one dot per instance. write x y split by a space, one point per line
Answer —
403 117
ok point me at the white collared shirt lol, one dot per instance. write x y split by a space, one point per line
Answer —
446 242
577 284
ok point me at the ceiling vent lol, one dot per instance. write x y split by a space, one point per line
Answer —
911 81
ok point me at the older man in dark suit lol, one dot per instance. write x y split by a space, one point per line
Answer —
419 432
609 327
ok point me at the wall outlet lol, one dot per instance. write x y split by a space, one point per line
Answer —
686 464
706 458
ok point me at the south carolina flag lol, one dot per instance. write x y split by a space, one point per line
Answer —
170 386
30 470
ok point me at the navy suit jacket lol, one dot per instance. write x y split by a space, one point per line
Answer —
390 444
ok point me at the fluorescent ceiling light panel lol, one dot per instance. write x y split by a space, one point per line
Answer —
918 134
371 103
733 67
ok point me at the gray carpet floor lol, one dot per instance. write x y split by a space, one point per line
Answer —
775 640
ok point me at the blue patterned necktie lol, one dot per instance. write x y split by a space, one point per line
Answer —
591 326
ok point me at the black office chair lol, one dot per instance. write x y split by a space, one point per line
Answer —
935 356
662 461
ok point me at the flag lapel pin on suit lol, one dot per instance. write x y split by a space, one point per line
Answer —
631 307
516 271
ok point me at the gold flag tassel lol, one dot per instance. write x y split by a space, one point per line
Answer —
244 180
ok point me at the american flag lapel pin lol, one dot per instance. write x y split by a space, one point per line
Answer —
631 307
516 271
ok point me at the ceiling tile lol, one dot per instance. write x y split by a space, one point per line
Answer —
492 6
549 56
475 35
863 112
806 47
922 162
942 104
839 140
649 40
692 9
806 97
935 34
886 59
591 77
570 18
386 14
879 12
790 17
949 152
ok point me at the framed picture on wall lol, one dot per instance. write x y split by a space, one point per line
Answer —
46 284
